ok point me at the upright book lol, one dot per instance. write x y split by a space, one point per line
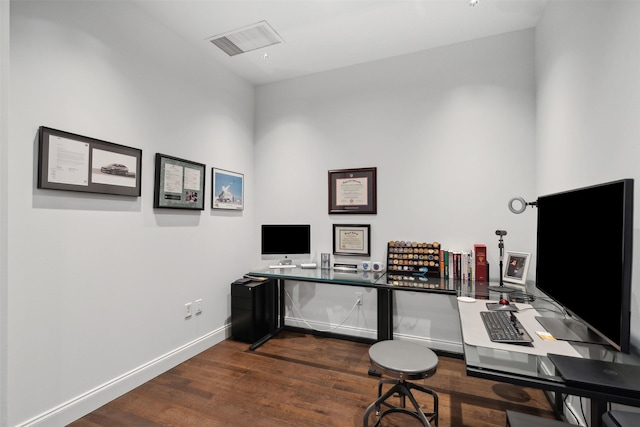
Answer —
481 267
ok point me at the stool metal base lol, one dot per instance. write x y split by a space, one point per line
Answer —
403 389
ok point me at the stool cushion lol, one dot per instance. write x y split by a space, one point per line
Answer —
403 357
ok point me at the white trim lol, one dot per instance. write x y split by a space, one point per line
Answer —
83 404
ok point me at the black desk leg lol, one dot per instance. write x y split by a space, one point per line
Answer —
275 312
598 409
385 314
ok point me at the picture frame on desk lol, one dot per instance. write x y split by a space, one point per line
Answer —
353 191
179 183
352 239
516 267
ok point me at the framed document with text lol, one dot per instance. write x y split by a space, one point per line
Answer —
352 191
67 161
179 183
351 239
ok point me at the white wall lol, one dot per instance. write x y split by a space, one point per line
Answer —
4 118
451 132
588 78
454 132
97 283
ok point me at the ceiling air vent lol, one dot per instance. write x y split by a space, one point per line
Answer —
246 39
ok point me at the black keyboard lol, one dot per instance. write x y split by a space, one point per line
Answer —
503 326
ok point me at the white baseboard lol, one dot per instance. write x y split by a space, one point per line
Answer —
89 401
448 346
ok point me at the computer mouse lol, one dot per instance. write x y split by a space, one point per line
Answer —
504 301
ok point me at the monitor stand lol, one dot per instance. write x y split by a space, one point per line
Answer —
570 330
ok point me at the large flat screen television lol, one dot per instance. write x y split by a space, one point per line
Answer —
286 241
584 260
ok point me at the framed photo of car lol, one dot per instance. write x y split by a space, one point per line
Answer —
68 161
227 190
179 183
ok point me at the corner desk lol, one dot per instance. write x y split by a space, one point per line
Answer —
504 363
530 366
384 286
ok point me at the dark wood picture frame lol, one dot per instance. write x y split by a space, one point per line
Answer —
68 161
179 183
353 191
352 239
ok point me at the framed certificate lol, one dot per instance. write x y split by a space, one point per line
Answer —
352 191
179 183
67 161
351 239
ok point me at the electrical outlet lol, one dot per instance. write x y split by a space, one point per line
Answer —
187 310
359 298
198 307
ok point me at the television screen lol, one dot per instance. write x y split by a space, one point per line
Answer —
584 261
286 239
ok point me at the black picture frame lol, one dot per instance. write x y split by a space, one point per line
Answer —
352 239
179 183
72 162
353 191
227 190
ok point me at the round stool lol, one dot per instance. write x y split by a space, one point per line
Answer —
402 361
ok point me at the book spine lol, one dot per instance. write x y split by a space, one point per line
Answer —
446 264
481 266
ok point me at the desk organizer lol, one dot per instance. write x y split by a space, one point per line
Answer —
409 262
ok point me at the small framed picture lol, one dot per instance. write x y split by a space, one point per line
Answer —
350 239
228 190
179 183
516 267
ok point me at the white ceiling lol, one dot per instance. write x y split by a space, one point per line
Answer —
322 35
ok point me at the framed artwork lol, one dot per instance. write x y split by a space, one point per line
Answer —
227 190
352 239
67 161
179 183
516 267
352 191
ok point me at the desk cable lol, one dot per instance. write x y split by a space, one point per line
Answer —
355 305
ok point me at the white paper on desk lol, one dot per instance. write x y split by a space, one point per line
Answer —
474 332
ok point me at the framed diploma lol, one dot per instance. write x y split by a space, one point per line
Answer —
350 239
67 161
227 190
179 183
352 191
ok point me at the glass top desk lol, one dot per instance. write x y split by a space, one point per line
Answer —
530 366
384 285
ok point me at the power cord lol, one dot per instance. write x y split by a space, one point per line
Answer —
355 305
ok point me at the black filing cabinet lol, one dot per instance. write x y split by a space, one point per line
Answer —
251 310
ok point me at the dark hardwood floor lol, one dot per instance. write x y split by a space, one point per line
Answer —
301 380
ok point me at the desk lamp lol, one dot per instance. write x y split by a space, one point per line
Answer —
516 210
